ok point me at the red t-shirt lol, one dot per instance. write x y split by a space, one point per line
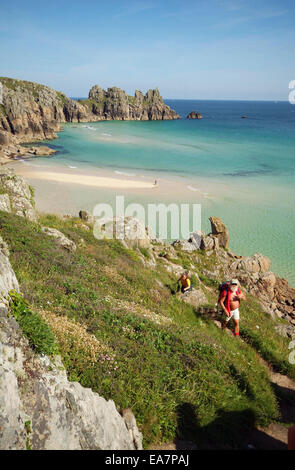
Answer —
227 301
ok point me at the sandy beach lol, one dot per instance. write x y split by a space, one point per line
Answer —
89 180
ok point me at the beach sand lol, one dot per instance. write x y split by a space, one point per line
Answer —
81 178
89 180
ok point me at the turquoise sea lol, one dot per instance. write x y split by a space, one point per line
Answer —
242 170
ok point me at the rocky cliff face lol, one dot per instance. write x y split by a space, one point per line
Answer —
39 407
275 295
16 195
115 104
29 111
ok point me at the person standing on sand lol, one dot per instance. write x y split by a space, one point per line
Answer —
230 299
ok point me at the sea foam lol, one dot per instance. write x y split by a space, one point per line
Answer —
124 173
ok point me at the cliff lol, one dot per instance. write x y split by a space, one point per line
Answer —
115 104
39 407
106 314
30 111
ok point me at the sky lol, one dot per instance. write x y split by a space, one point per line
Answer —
201 49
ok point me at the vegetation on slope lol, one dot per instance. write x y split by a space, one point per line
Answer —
182 376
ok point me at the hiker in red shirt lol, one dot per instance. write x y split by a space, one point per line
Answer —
230 299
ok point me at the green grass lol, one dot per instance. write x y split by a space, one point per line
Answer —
2 110
258 330
32 87
184 378
14 84
33 326
62 97
93 105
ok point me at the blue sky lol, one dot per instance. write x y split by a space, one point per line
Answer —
202 49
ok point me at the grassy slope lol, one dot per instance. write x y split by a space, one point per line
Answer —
181 378
33 88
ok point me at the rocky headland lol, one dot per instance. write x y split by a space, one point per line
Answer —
30 112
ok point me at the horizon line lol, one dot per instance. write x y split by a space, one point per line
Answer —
205 99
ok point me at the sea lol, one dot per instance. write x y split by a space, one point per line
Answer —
238 162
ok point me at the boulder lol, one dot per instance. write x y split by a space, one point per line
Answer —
196 239
130 231
165 251
287 331
5 203
60 238
86 216
195 297
173 268
184 245
23 207
267 284
42 151
252 264
219 231
42 410
16 195
8 279
207 243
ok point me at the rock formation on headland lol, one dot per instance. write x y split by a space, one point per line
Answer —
115 104
194 115
30 111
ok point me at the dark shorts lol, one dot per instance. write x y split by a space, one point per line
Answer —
183 291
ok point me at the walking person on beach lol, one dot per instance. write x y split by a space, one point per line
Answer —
230 300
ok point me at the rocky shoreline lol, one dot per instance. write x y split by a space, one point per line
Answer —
275 295
33 112
35 389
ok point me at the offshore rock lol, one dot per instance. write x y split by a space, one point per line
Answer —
194 115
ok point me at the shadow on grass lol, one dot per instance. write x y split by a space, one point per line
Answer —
286 400
230 430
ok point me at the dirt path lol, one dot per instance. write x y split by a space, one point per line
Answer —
275 436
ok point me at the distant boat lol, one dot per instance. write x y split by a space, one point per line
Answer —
244 117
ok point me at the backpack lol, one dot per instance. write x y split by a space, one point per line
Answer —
222 287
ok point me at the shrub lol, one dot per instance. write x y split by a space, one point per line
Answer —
33 326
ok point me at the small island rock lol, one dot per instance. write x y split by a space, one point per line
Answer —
194 115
